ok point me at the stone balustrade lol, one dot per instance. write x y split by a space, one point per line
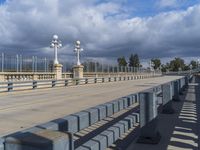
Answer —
27 76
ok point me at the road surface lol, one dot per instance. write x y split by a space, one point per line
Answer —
24 109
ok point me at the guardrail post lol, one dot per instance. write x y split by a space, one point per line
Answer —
115 79
176 91
10 86
109 79
53 83
86 81
167 99
148 119
66 82
77 81
34 84
103 80
95 80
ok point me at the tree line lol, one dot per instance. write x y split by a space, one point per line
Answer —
177 64
134 61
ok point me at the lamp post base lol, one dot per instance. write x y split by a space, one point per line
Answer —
58 71
78 71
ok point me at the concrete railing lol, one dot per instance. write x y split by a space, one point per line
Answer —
182 73
122 114
112 74
34 84
24 76
27 76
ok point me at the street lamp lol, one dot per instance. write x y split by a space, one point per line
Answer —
198 63
77 50
190 68
55 43
151 66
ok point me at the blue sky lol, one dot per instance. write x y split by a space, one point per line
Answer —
150 7
107 28
145 8
2 1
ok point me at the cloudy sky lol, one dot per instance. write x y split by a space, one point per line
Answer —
107 28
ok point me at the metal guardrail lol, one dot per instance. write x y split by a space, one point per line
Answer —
34 84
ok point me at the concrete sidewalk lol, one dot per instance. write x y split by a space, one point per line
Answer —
179 131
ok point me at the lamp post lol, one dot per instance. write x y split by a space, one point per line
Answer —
78 68
55 43
77 50
190 68
151 65
198 63
179 70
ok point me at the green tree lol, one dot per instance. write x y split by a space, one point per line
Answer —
187 67
165 67
194 64
176 64
134 61
156 62
122 61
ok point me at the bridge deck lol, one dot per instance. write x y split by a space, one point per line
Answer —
181 130
19 110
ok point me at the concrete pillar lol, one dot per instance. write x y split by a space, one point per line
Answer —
167 99
78 71
2 143
40 140
176 91
148 119
58 71
186 82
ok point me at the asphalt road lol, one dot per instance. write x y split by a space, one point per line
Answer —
24 109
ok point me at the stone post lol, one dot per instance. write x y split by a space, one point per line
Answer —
78 71
35 76
58 71
2 77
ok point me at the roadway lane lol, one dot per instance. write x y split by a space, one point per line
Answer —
19 110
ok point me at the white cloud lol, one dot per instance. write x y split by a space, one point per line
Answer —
167 3
29 25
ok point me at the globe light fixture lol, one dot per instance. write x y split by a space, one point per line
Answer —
77 50
56 43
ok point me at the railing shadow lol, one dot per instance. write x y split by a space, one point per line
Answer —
185 134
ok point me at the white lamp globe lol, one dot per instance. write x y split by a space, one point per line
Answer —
55 37
78 42
52 45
